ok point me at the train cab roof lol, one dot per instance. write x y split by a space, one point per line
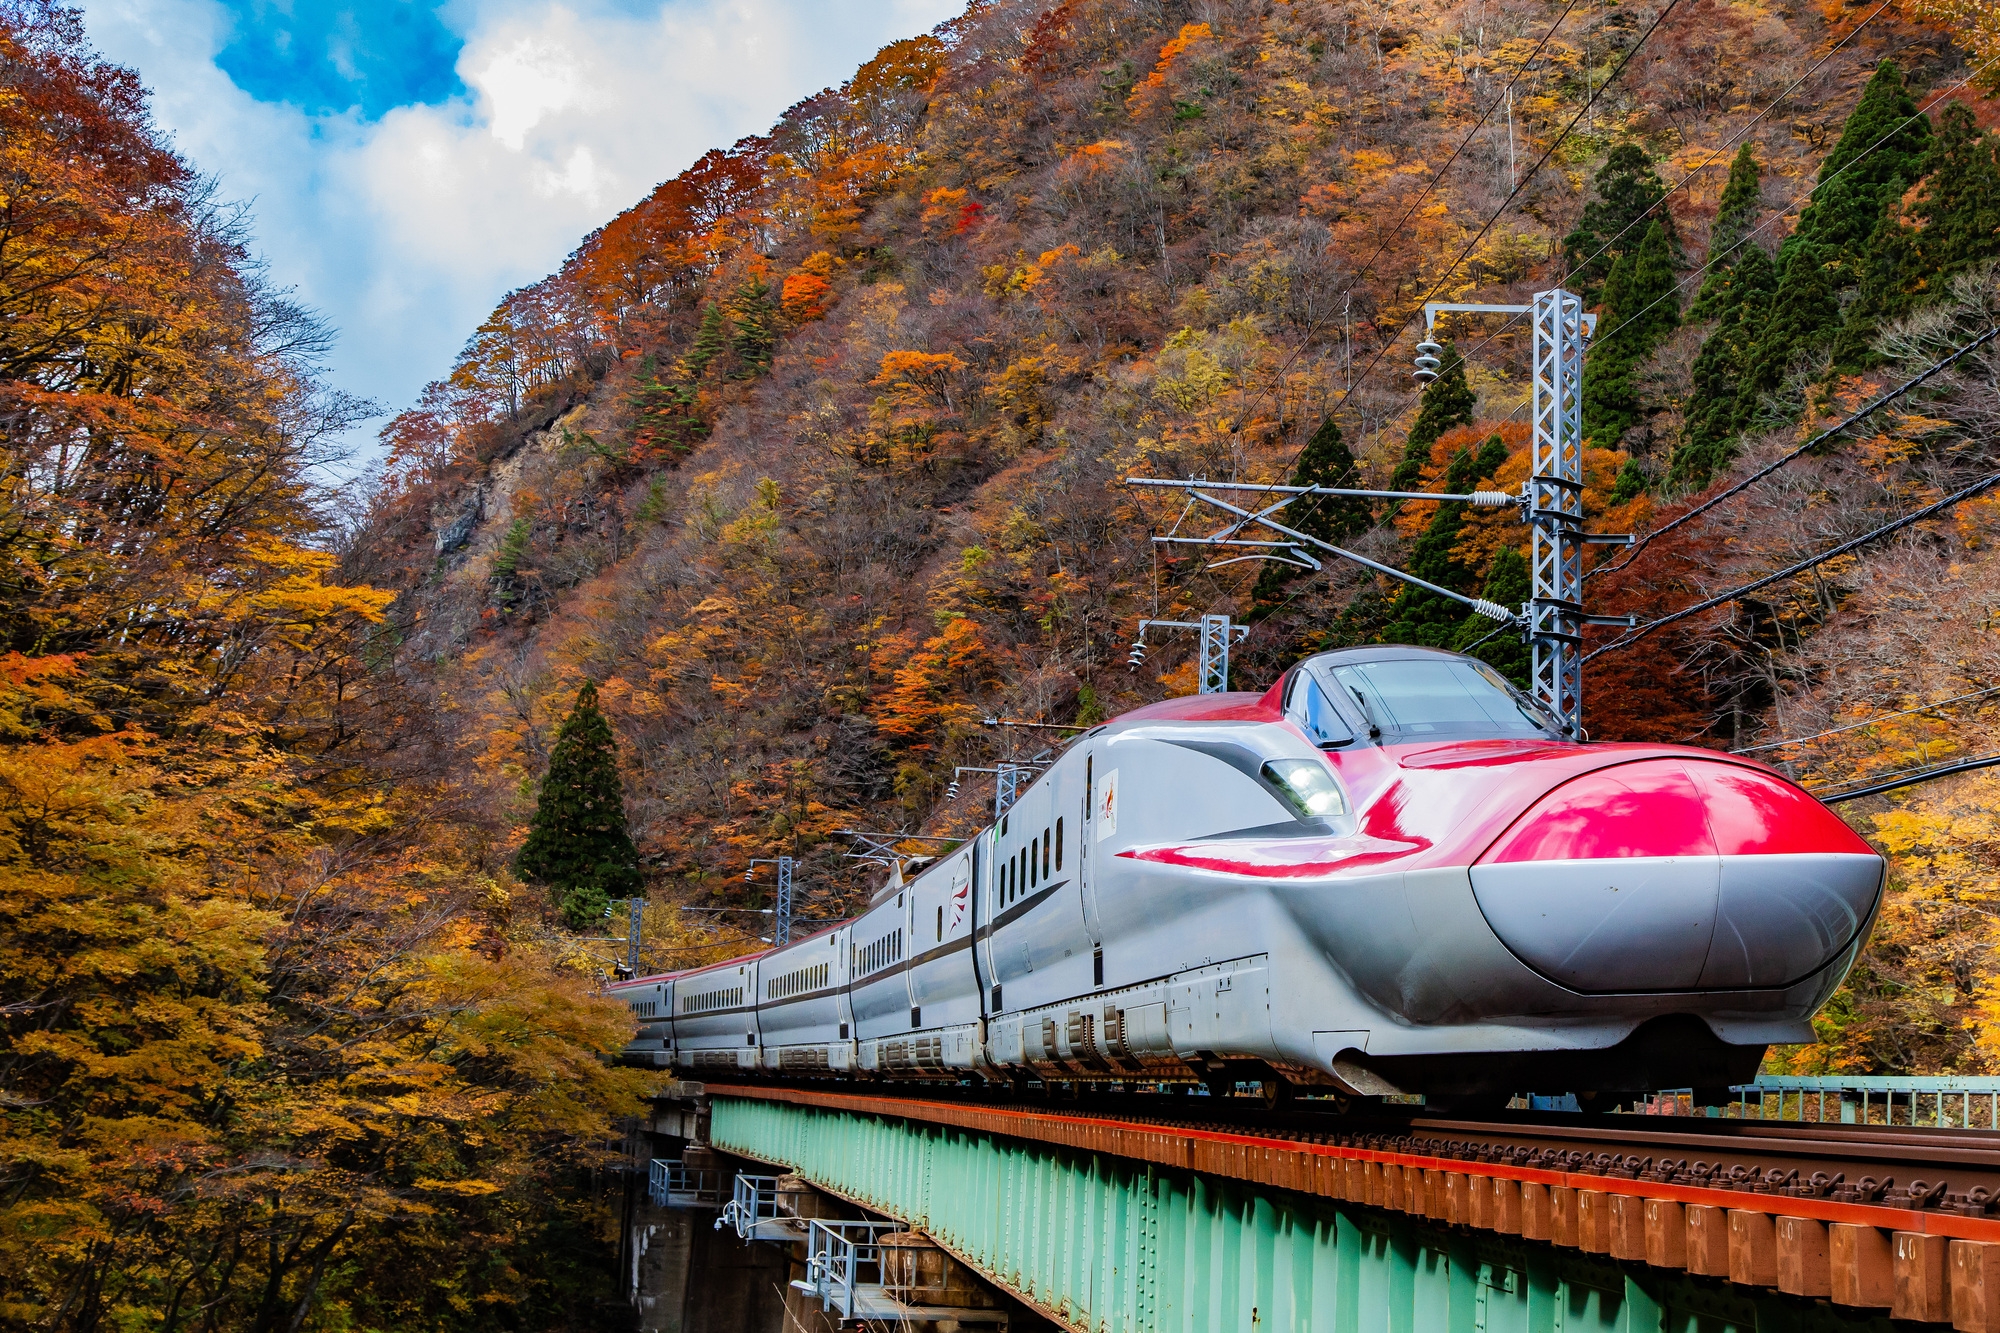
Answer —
1399 693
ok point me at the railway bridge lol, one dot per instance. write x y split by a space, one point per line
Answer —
1114 1212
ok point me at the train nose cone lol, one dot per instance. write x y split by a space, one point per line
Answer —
1672 875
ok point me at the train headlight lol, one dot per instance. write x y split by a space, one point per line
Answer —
1307 786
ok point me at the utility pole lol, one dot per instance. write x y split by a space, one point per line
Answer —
781 916
1008 778
635 909
1552 497
1217 633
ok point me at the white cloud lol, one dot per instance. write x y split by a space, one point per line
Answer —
404 232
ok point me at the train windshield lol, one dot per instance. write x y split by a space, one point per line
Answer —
1408 699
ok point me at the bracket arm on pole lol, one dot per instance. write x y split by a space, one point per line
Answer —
1479 604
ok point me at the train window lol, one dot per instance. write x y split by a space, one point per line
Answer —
940 921
1442 697
1308 706
1045 853
1058 844
1003 826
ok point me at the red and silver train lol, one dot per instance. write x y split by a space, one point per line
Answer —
1388 874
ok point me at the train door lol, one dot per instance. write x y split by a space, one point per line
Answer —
843 975
1096 807
986 909
1076 773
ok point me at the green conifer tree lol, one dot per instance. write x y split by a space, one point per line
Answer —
710 338
1958 205
1728 239
513 548
753 317
1507 584
1884 139
1325 461
664 420
1803 315
577 844
1448 401
1890 268
1627 188
1956 211
1421 616
1641 307
1741 312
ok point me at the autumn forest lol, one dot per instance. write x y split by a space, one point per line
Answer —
811 460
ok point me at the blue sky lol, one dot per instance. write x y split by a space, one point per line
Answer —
408 164
333 57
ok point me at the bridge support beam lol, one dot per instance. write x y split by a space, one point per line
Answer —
1110 1244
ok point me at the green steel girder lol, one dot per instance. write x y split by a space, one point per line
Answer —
1109 1245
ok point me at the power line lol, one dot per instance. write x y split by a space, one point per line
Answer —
1868 722
1870 410
1712 260
1724 147
1887 529
1540 162
1589 102
1465 143
1929 775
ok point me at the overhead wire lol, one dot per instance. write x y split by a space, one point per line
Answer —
1712 260
1590 102
1505 204
1881 401
1724 147
1868 722
1463 144
1915 777
1854 543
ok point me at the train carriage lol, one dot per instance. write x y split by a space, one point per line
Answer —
804 1022
715 1016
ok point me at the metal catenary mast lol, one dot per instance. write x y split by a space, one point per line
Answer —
1217 633
1551 502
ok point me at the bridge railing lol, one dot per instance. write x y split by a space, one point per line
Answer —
842 1258
673 1184
753 1199
1945 1101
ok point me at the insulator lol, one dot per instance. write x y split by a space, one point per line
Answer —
951 792
1428 361
749 875
1491 610
1492 499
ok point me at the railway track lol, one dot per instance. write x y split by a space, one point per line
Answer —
1955 1170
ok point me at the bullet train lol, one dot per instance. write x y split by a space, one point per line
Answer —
1389 874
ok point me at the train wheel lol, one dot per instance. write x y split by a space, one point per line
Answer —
1275 1091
